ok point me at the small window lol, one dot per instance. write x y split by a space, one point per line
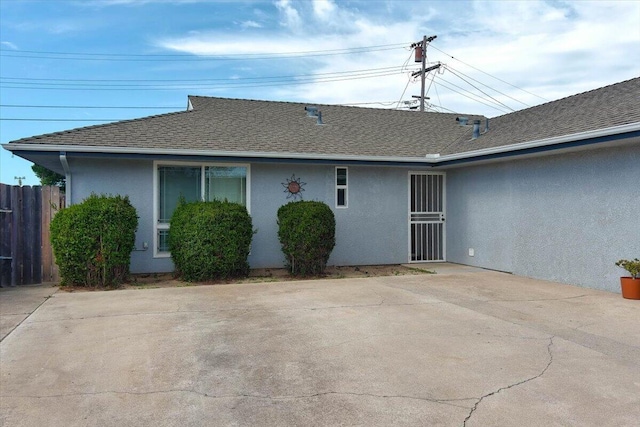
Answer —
341 188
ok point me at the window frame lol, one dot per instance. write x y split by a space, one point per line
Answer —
156 195
344 187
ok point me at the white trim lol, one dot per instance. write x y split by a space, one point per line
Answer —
541 142
427 159
156 183
341 187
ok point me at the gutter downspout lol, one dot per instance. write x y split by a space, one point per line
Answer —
67 175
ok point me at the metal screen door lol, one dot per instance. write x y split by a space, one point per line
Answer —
426 217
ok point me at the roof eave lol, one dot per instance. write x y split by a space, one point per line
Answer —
558 141
207 153
429 159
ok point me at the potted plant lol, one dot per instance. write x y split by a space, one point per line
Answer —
630 285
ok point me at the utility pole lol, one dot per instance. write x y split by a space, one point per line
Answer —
424 70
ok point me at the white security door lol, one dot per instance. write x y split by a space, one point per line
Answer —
426 216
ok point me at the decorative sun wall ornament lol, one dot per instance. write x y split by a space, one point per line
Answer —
293 186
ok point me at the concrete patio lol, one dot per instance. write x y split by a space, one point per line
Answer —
464 347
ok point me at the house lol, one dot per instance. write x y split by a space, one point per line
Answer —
549 192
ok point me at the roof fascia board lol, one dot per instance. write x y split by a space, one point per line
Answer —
213 158
540 150
208 153
551 143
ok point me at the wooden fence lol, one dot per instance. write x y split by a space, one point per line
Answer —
26 256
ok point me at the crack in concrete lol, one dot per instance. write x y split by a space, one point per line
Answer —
100 316
430 333
243 310
448 402
28 315
538 299
481 398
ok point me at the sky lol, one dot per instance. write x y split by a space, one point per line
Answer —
68 64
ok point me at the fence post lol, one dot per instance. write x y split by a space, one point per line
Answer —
52 202
5 235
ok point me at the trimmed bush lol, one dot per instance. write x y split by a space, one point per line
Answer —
92 241
210 240
306 231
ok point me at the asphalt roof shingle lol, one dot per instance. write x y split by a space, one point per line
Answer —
237 125
609 106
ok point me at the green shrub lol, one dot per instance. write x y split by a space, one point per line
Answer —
210 240
307 234
92 241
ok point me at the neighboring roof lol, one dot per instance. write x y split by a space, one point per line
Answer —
248 126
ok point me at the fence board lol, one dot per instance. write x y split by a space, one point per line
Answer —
16 236
25 250
37 236
47 253
27 227
52 202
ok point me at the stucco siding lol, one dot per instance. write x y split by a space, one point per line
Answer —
371 230
133 178
565 218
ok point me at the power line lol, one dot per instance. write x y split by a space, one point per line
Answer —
483 92
408 81
442 108
347 49
11 119
86 106
160 82
384 103
203 87
69 56
472 96
490 75
437 94
453 70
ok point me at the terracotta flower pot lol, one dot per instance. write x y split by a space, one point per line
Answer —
630 287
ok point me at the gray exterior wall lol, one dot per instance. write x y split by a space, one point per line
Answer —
133 178
565 218
373 228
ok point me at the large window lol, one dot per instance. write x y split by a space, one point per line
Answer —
194 182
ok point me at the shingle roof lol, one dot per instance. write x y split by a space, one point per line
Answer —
609 106
237 125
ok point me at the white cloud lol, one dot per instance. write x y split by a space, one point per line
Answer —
290 16
250 24
550 49
9 45
324 9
